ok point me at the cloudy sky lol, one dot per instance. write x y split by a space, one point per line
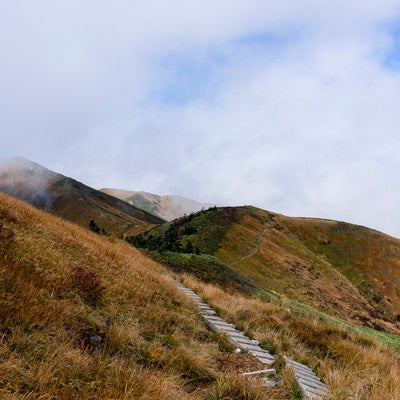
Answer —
290 105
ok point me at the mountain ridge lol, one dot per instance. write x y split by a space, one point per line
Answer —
71 199
326 264
167 207
87 316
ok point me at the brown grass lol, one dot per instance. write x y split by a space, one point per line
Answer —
353 366
341 269
88 317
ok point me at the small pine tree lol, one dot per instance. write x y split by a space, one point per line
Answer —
189 247
93 226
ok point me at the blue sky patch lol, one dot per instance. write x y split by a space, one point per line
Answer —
392 58
190 76
197 73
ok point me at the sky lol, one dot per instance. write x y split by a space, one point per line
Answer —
291 106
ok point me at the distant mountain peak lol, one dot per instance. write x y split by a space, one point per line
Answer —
19 163
167 207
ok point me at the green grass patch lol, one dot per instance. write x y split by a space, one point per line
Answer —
205 268
307 312
195 233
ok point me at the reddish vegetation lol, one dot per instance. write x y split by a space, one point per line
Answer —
349 271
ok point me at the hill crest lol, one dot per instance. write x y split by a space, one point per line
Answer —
346 270
70 199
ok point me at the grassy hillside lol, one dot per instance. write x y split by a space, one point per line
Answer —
353 365
87 317
84 316
345 270
70 199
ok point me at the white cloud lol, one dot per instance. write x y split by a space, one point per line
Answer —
287 105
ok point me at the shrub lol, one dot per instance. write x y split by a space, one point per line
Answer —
88 284
94 227
293 388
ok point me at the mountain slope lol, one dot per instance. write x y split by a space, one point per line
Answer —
70 199
165 207
346 270
83 316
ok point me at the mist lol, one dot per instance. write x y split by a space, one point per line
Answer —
291 107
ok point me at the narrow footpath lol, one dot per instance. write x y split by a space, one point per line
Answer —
313 388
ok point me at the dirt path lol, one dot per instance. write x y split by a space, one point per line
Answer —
252 250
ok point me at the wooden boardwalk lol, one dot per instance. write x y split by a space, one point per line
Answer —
312 387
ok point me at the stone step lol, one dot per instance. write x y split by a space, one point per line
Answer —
188 291
211 325
250 347
261 353
194 296
216 318
312 396
221 325
266 360
310 377
245 340
180 284
219 328
239 342
202 309
235 342
206 313
296 364
246 344
304 372
310 393
311 385
225 329
307 389
219 320
239 335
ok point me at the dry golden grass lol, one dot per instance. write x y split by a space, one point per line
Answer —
353 366
83 316
88 317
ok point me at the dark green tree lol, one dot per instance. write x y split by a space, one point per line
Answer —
93 226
